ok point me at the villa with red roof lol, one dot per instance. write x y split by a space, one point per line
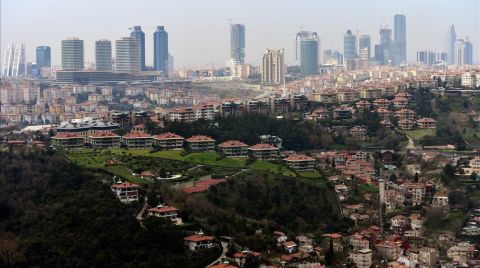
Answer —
126 191
137 140
104 139
199 241
300 162
200 143
406 124
263 151
358 132
168 141
166 213
68 140
426 123
233 148
241 256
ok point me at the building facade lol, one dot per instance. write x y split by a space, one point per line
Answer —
160 50
14 61
103 55
139 35
237 43
273 67
128 55
43 56
72 54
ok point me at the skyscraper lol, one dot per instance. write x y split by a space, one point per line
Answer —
14 61
72 54
127 52
237 43
350 50
273 69
459 53
400 38
160 50
309 54
364 41
43 56
450 39
103 55
139 35
386 45
467 52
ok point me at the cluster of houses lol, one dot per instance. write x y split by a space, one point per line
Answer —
385 108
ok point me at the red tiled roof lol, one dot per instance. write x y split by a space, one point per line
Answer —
232 143
262 146
202 186
168 136
198 138
104 134
223 265
299 157
162 209
137 135
334 235
124 185
66 135
198 238
426 120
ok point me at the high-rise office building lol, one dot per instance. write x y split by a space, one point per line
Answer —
103 55
160 50
350 50
364 41
273 68
400 38
332 57
127 52
459 52
379 57
43 57
139 35
450 39
237 43
309 54
72 54
302 35
386 45
14 61
428 58
467 52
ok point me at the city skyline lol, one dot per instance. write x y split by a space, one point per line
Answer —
279 33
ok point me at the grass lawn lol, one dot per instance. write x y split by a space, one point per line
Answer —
97 160
368 188
275 168
418 134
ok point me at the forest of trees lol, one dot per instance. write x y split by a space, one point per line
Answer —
247 128
55 214
263 201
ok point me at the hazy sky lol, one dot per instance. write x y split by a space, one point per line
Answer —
199 32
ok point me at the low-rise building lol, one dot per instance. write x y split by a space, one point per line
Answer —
104 139
362 258
126 191
426 123
168 141
137 140
233 148
165 212
474 166
461 252
389 250
358 132
200 143
300 162
406 124
199 241
263 151
65 140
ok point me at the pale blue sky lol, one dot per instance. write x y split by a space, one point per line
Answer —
199 32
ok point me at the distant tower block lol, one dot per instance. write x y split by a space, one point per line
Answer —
381 189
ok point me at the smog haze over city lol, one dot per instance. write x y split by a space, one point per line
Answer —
240 134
